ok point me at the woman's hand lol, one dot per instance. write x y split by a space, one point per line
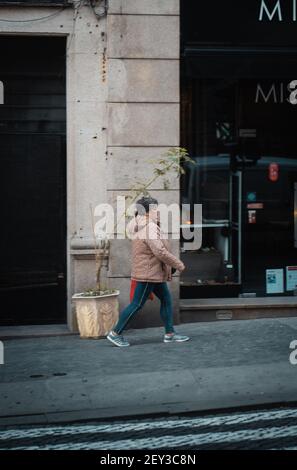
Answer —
182 267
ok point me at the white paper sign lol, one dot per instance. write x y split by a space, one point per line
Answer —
291 277
274 281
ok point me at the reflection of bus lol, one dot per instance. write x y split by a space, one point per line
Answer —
248 218
208 183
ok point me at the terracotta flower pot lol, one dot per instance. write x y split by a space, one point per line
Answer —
96 315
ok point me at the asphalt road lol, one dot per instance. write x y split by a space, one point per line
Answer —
263 429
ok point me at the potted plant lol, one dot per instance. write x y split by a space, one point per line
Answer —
97 308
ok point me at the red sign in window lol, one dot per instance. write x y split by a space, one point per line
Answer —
273 172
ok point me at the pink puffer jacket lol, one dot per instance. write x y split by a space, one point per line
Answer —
151 258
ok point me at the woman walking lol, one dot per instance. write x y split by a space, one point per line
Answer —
152 265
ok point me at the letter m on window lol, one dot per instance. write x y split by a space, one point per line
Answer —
270 13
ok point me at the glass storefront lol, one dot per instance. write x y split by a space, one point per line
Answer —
238 121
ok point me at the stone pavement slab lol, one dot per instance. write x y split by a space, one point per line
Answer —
225 364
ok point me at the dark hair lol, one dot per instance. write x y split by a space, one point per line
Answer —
143 204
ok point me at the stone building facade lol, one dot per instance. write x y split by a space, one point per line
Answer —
122 108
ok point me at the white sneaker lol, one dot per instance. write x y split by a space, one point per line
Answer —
175 337
118 340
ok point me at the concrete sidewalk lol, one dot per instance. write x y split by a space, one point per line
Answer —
226 364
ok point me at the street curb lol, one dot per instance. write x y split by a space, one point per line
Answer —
68 417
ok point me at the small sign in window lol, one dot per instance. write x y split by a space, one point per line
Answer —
274 281
291 277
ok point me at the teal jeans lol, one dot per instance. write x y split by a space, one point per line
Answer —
141 293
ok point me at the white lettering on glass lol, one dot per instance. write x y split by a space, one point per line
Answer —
275 12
